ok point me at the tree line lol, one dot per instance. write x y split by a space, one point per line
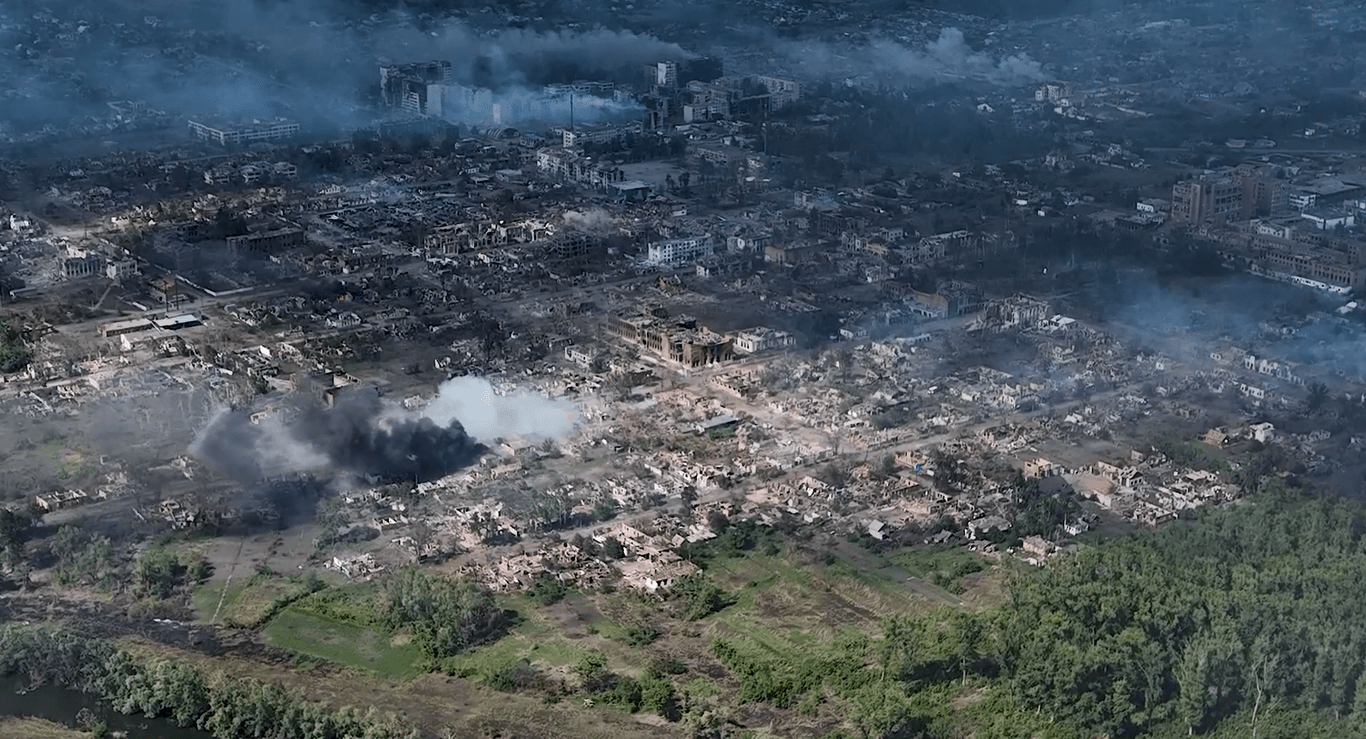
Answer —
226 707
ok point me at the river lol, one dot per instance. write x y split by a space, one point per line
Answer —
62 705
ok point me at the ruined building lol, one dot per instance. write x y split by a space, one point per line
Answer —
679 340
407 87
1207 199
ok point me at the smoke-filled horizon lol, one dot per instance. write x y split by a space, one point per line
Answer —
243 59
365 434
522 106
895 64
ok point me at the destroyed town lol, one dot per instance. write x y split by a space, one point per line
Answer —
610 368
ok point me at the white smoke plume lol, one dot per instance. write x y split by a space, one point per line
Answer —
947 57
592 220
245 58
523 106
488 415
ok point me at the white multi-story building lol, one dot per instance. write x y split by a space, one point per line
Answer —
219 175
680 252
566 165
762 339
575 137
666 74
781 92
246 131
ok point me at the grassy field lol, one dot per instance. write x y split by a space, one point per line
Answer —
802 602
431 702
550 653
945 566
343 643
554 638
785 606
206 598
258 599
14 727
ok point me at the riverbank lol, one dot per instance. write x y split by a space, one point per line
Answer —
49 710
16 727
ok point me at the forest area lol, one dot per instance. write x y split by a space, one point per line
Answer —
1241 623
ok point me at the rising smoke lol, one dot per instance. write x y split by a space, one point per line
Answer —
512 58
590 220
242 58
488 415
1248 313
524 106
895 64
366 435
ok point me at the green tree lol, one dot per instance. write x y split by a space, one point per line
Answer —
13 355
160 572
1318 393
966 631
698 597
880 711
14 532
82 557
445 615
901 646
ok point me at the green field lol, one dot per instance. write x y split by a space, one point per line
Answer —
787 607
781 599
355 646
552 653
945 566
247 604
258 601
206 598
782 606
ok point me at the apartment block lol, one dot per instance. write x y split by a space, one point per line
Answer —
1207 199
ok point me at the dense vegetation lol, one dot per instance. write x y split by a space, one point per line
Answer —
446 616
1247 618
160 572
732 539
1240 622
652 691
84 557
13 355
1250 607
228 708
15 527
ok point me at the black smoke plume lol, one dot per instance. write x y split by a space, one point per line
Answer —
361 434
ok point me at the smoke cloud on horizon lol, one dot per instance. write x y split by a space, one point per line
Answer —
892 63
243 59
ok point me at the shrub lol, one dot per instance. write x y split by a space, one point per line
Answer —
699 597
640 635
